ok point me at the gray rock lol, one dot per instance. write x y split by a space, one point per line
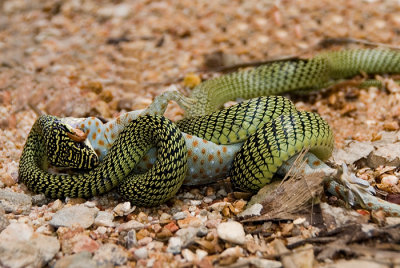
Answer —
80 260
39 200
75 215
19 240
124 209
110 254
3 220
132 224
179 215
15 254
335 217
104 218
353 152
47 245
17 203
174 245
17 232
257 262
231 231
202 231
387 155
130 239
187 235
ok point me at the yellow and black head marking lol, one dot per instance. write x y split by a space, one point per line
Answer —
63 148
156 186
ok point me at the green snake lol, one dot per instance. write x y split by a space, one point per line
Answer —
270 130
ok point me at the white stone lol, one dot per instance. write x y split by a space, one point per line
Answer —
188 255
219 206
201 254
231 231
104 218
123 209
141 253
254 210
299 221
195 202
234 252
174 245
102 230
132 224
16 232
390 180
179 215
392 220
75 215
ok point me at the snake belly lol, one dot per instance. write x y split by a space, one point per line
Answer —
162 181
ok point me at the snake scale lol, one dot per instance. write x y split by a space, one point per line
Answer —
260 133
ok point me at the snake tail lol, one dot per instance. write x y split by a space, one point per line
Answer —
149 189
266 150
302 75
347 63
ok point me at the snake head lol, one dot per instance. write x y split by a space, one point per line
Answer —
65 146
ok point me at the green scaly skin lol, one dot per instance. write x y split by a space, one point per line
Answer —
324 70
150 189
161 182
254 165
264 152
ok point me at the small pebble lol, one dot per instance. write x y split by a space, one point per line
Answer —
16 232
202 231
231 231
141 253
174 245
187 235
130 225
188 255
75 215
390 180
17 203
165 217
195 202
219 206
90 204
104 218
179 215
130 239
101 230
144 241
299 221
81 260
123 209
201 254
207 200
109 255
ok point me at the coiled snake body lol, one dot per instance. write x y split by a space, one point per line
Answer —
271 129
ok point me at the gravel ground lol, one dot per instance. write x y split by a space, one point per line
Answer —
101 58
